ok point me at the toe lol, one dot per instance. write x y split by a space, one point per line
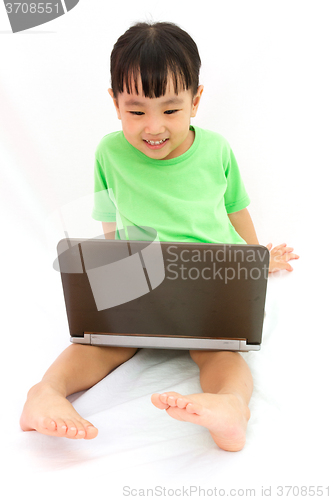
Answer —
181 403
71 429
85 430
62 429
81 432
172 401
158 401
91 431
170 398
53 426
194 408
49 424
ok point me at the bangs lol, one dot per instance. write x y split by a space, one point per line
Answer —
152 57
153 68
154 79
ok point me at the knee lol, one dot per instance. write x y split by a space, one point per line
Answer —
126 352
121 354
198 356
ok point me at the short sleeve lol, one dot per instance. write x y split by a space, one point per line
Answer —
104 209
236 197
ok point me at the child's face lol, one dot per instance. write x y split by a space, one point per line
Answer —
158 127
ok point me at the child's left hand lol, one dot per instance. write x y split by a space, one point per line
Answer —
279 257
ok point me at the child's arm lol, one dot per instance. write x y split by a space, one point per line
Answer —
109 229
243 224
279 256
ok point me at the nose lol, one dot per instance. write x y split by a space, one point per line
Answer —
154 125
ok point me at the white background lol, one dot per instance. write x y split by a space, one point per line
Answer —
267 72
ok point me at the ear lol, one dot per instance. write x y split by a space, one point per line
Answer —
115 102
196 100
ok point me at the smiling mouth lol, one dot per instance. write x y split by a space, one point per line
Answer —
155 143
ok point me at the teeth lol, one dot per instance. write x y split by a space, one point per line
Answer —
154 143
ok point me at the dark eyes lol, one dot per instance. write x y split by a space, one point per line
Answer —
168 112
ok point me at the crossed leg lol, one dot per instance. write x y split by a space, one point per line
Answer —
222 407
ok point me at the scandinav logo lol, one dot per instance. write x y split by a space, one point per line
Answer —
26 15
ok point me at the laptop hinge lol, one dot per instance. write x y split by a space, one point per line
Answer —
243 346
165 342
81 340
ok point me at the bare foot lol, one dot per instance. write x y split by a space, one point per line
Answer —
49 412
225 415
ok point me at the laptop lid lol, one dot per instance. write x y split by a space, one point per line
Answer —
164 294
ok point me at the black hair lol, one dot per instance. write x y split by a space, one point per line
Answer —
153 52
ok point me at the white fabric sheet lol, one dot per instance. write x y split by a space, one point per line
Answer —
289 433
268 90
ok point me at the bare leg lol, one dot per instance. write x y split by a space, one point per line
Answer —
227 387
78 368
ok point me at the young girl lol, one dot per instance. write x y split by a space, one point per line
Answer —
184 182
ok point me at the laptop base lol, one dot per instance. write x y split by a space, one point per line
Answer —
152 342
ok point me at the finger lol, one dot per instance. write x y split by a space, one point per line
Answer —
283 251
291 256
279 247
278 250
287 249
280 267
285 257
269 246
288 268
276 254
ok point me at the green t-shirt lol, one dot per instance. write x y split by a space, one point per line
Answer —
184 199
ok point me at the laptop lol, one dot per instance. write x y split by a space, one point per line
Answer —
166 295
